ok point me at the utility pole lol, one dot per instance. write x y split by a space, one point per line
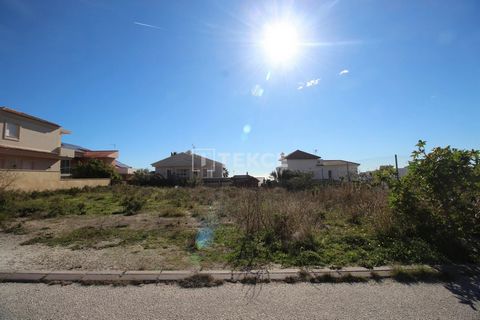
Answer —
193 160
348 172
396 168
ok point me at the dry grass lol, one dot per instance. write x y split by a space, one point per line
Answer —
328 225
298 215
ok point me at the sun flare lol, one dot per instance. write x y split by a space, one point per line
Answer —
280 42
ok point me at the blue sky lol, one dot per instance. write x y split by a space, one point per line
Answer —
151 77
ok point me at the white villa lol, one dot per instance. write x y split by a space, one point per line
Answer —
321 169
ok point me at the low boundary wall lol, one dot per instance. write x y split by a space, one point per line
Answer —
32 180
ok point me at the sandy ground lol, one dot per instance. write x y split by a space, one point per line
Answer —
14 256
387 300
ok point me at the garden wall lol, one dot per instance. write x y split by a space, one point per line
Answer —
32 180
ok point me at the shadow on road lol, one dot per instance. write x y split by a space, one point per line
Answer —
466 286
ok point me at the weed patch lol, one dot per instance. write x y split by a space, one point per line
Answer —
419 274
90 237
199 281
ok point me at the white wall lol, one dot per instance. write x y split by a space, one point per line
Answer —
320 172
218 173
303 165
340 171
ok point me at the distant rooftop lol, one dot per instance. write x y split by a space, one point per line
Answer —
338 162
301 155
74 147
182 159
121 164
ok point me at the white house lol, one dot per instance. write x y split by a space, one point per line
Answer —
321 169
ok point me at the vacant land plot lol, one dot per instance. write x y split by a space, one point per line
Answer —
127 227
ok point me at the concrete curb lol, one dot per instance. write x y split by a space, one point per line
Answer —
108 277
350 274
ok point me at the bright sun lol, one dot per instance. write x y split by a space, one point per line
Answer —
280 42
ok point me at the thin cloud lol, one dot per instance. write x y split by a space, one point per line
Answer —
307 84
343 72
147 25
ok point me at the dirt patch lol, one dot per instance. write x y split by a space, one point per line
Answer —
106 254
145 221
14 256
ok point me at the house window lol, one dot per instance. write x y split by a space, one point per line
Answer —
330 174
11 131
182 173
65 166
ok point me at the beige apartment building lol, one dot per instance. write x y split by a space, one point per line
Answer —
31 152
30 143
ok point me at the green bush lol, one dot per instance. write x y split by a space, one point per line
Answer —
293 180
384 176
309 258
133 204
439 200
144 177
28 207
94 169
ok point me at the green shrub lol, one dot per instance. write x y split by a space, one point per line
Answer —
94 169
144 177
133 204
81 208
293 180
309 258
439 200
58 207
27 207
385 176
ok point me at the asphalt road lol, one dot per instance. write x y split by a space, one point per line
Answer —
387 300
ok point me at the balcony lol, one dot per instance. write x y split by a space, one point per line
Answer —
67 153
